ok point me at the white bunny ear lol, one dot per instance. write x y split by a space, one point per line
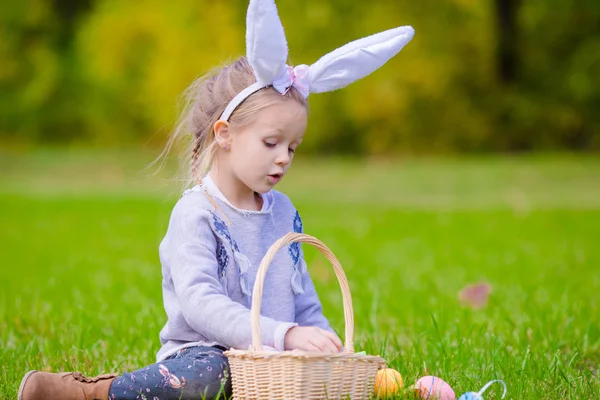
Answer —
267 52
357 59
266 46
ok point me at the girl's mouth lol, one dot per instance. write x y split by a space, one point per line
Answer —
274 178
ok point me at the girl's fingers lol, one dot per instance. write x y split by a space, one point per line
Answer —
330 342
323 343
317 345
336 340
310 347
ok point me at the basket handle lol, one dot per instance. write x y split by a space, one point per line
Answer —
260 280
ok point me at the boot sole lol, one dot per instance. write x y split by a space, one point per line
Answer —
22 386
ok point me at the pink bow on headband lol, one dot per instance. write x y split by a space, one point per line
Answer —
297 77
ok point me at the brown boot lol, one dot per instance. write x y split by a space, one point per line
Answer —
38 385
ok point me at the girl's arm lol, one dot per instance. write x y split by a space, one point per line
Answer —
208 310
193 266
308 306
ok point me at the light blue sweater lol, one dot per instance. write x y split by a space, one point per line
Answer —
209 270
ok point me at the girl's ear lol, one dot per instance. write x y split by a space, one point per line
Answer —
222 134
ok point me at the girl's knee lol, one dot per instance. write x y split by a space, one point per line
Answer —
209 379
197 373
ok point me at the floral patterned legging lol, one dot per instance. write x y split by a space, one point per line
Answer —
190 373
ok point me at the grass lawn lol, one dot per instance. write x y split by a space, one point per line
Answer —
80 277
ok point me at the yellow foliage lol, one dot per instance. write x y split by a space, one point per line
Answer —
115 72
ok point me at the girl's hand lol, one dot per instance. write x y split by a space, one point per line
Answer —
312 339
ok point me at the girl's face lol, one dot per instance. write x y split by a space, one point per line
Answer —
261 152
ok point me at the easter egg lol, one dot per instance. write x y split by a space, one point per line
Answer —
478 396
471 396
387 382
432 387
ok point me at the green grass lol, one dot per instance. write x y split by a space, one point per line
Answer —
80 276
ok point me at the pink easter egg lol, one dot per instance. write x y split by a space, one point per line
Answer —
432 387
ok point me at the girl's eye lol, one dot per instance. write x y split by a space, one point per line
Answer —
292 150
270 145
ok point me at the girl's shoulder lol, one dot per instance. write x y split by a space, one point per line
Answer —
282 201
192 207
288 211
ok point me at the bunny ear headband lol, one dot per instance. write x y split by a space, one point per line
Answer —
267 52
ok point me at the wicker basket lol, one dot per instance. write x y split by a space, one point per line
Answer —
290 375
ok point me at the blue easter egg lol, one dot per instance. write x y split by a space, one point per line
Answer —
470 396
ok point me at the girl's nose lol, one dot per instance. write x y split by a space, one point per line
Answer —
283 158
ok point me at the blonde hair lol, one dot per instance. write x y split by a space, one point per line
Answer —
203 103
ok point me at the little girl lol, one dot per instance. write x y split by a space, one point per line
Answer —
246 122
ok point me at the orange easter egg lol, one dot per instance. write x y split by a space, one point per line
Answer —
387 382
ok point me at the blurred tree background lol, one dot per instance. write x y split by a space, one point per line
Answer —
479 76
